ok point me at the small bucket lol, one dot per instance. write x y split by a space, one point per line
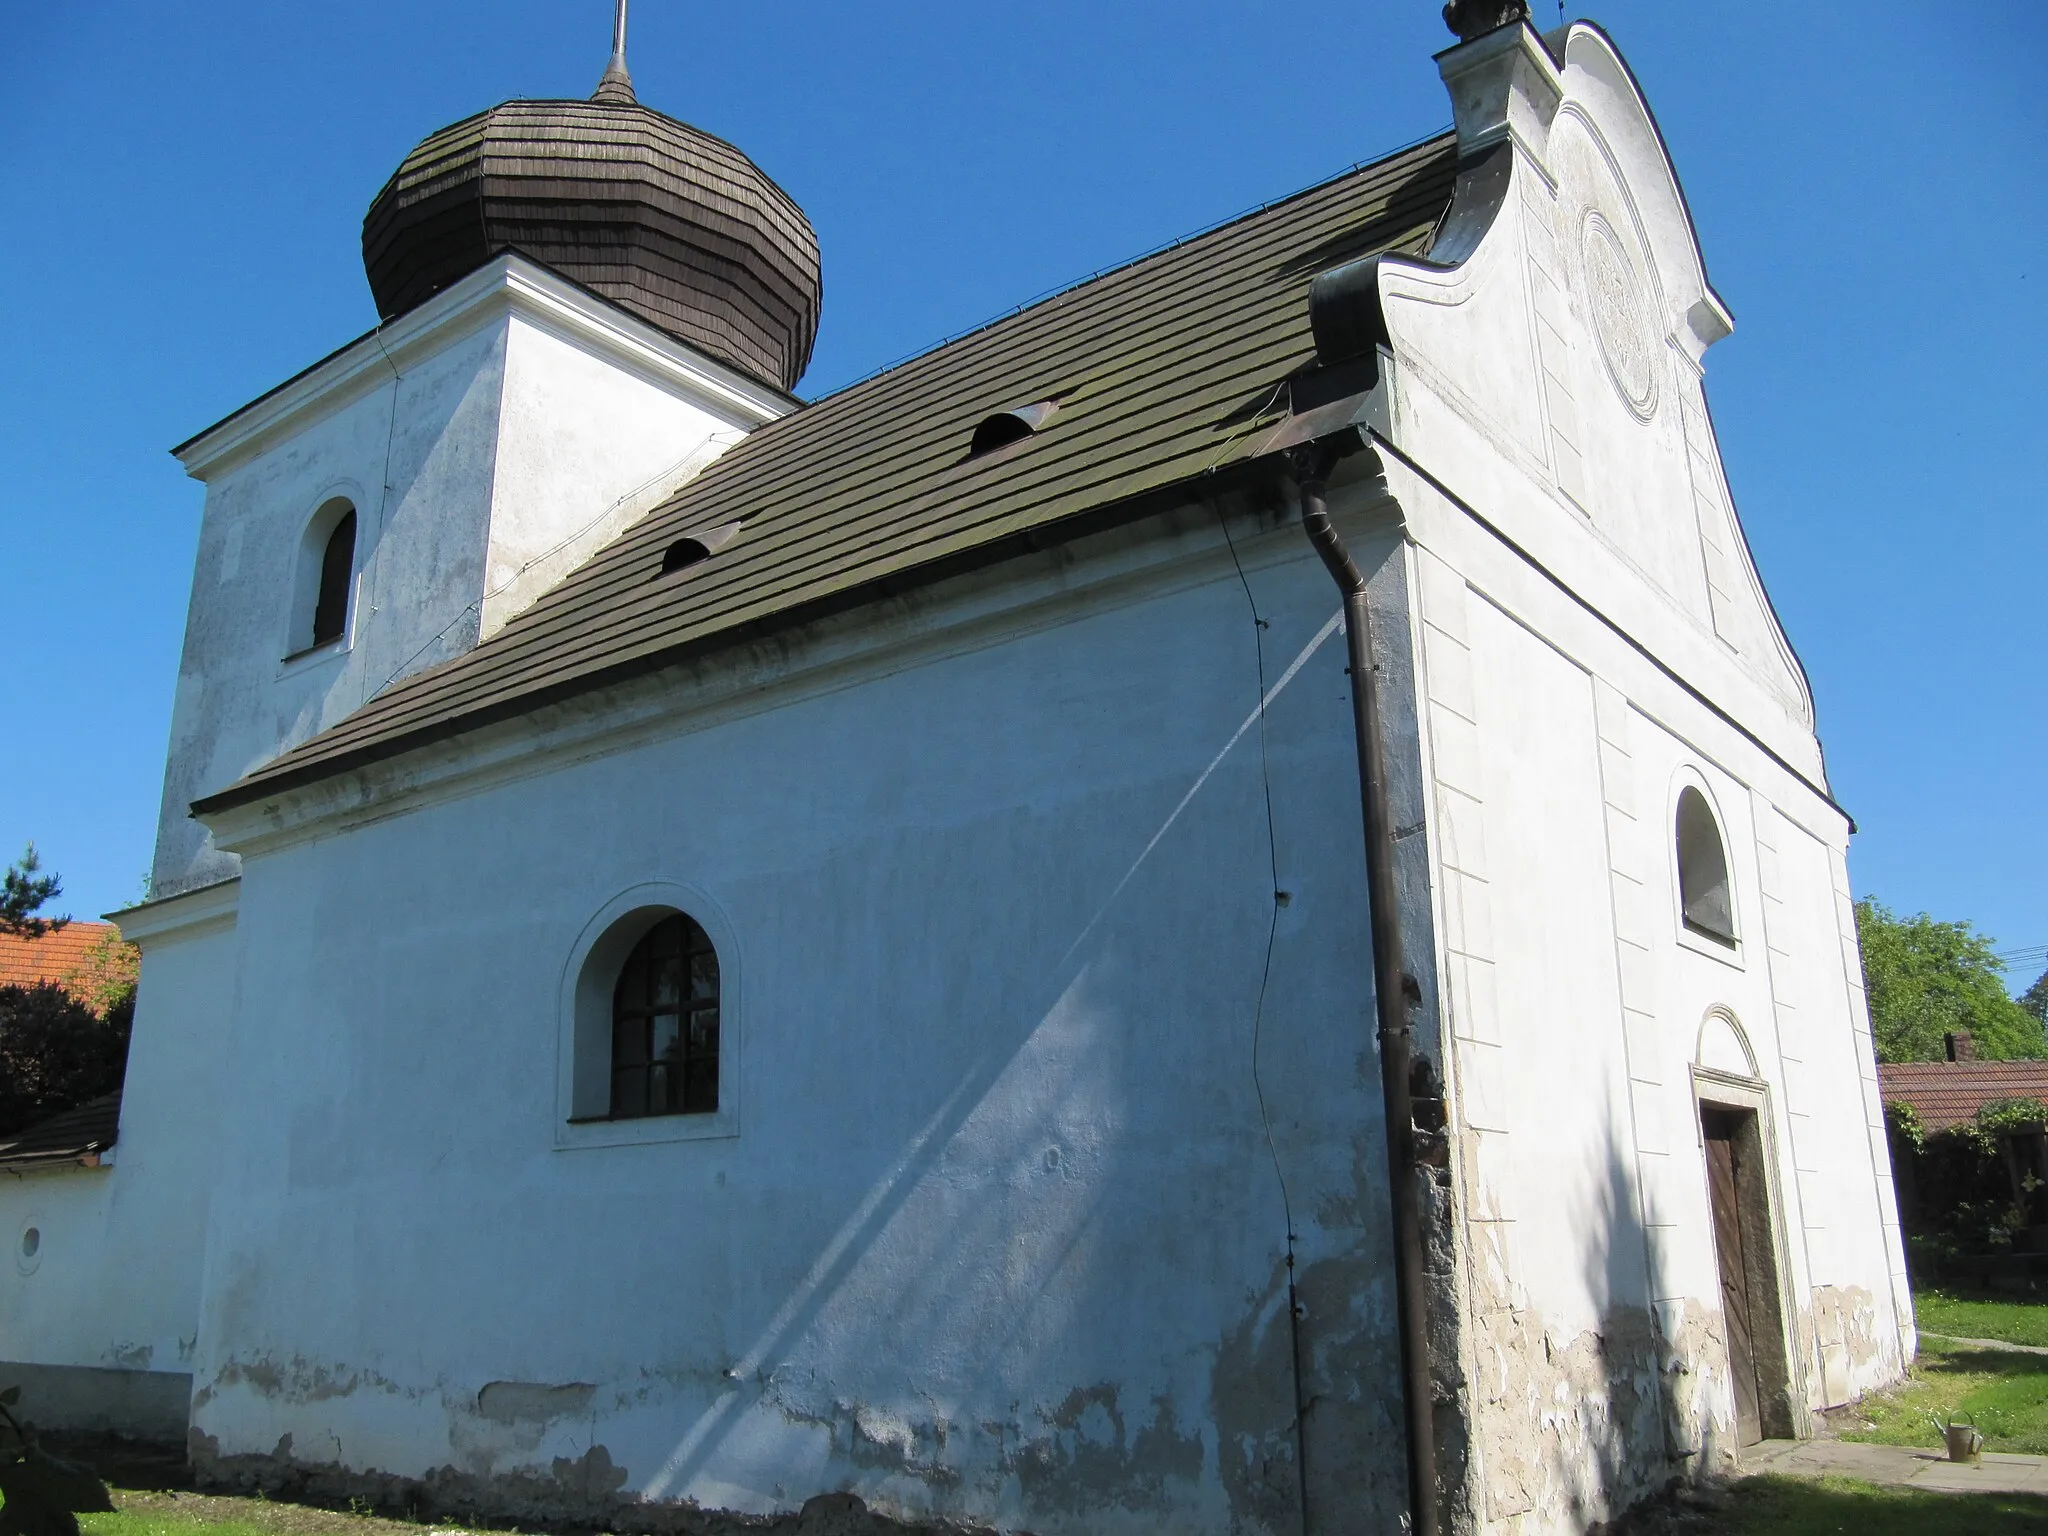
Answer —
1964 1441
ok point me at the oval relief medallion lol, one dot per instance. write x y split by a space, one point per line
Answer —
1620 317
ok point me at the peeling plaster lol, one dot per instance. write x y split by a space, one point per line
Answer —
1698 1391
515 1402
1251 1404
1571 1425
571 1491
296 1380
1072 1461
1851 1340
878 1440
1097 1453
583 1491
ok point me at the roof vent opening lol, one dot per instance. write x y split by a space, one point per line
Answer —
695 549
1011 426
683 554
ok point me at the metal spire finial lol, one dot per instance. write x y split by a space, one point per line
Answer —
617 86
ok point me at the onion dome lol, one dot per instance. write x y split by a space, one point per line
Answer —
662 219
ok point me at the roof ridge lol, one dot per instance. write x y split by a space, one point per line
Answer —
1202 233
651 529
847 399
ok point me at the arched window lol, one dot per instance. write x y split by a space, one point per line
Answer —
652 1022
664 1057
323 580
337 570
1705 902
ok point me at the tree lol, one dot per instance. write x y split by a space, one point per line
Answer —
56 1053
2035 998
105 974
1927 979
23 892
61 1043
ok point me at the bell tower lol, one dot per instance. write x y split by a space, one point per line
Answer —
582 304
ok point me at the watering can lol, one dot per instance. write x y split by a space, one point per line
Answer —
1964 1440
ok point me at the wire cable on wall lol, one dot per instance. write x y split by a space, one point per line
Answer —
384 483
1275 897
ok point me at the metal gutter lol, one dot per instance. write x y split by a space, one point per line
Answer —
1394 990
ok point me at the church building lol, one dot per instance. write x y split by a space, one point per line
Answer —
1212 909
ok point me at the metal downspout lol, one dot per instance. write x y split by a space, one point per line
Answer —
1394 990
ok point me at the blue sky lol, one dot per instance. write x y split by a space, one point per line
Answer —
184 188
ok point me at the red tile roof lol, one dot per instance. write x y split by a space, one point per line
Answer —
56 956
1947 1093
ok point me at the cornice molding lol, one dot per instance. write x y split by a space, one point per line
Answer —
182 916
507 285
1177 546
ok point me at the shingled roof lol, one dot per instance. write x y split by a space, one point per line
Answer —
78 1135
1163 369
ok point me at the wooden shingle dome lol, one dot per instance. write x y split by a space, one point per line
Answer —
662 219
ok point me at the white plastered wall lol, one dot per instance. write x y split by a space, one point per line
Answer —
1576 1006
1591 634
116 1283
584 448
1000 1233
40 1295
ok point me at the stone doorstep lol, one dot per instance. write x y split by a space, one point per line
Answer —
1999 1472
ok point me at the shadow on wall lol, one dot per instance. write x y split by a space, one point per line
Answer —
1041 1154
1087 1195
1574 1422
994 1324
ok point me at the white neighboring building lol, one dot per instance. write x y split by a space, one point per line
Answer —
846 969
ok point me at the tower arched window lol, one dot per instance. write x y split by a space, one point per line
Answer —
337 572
324 580
1706 900
664 1057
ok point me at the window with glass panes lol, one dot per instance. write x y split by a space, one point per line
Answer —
665 1024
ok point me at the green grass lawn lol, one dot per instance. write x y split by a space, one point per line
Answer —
1786 1506
2004 1391
153 1523
161 1512
1963 1317
1757 1506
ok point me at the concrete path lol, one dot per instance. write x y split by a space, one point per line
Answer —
1997 1473
2018 1349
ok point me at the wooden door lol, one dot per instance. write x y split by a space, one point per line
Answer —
1725 1177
